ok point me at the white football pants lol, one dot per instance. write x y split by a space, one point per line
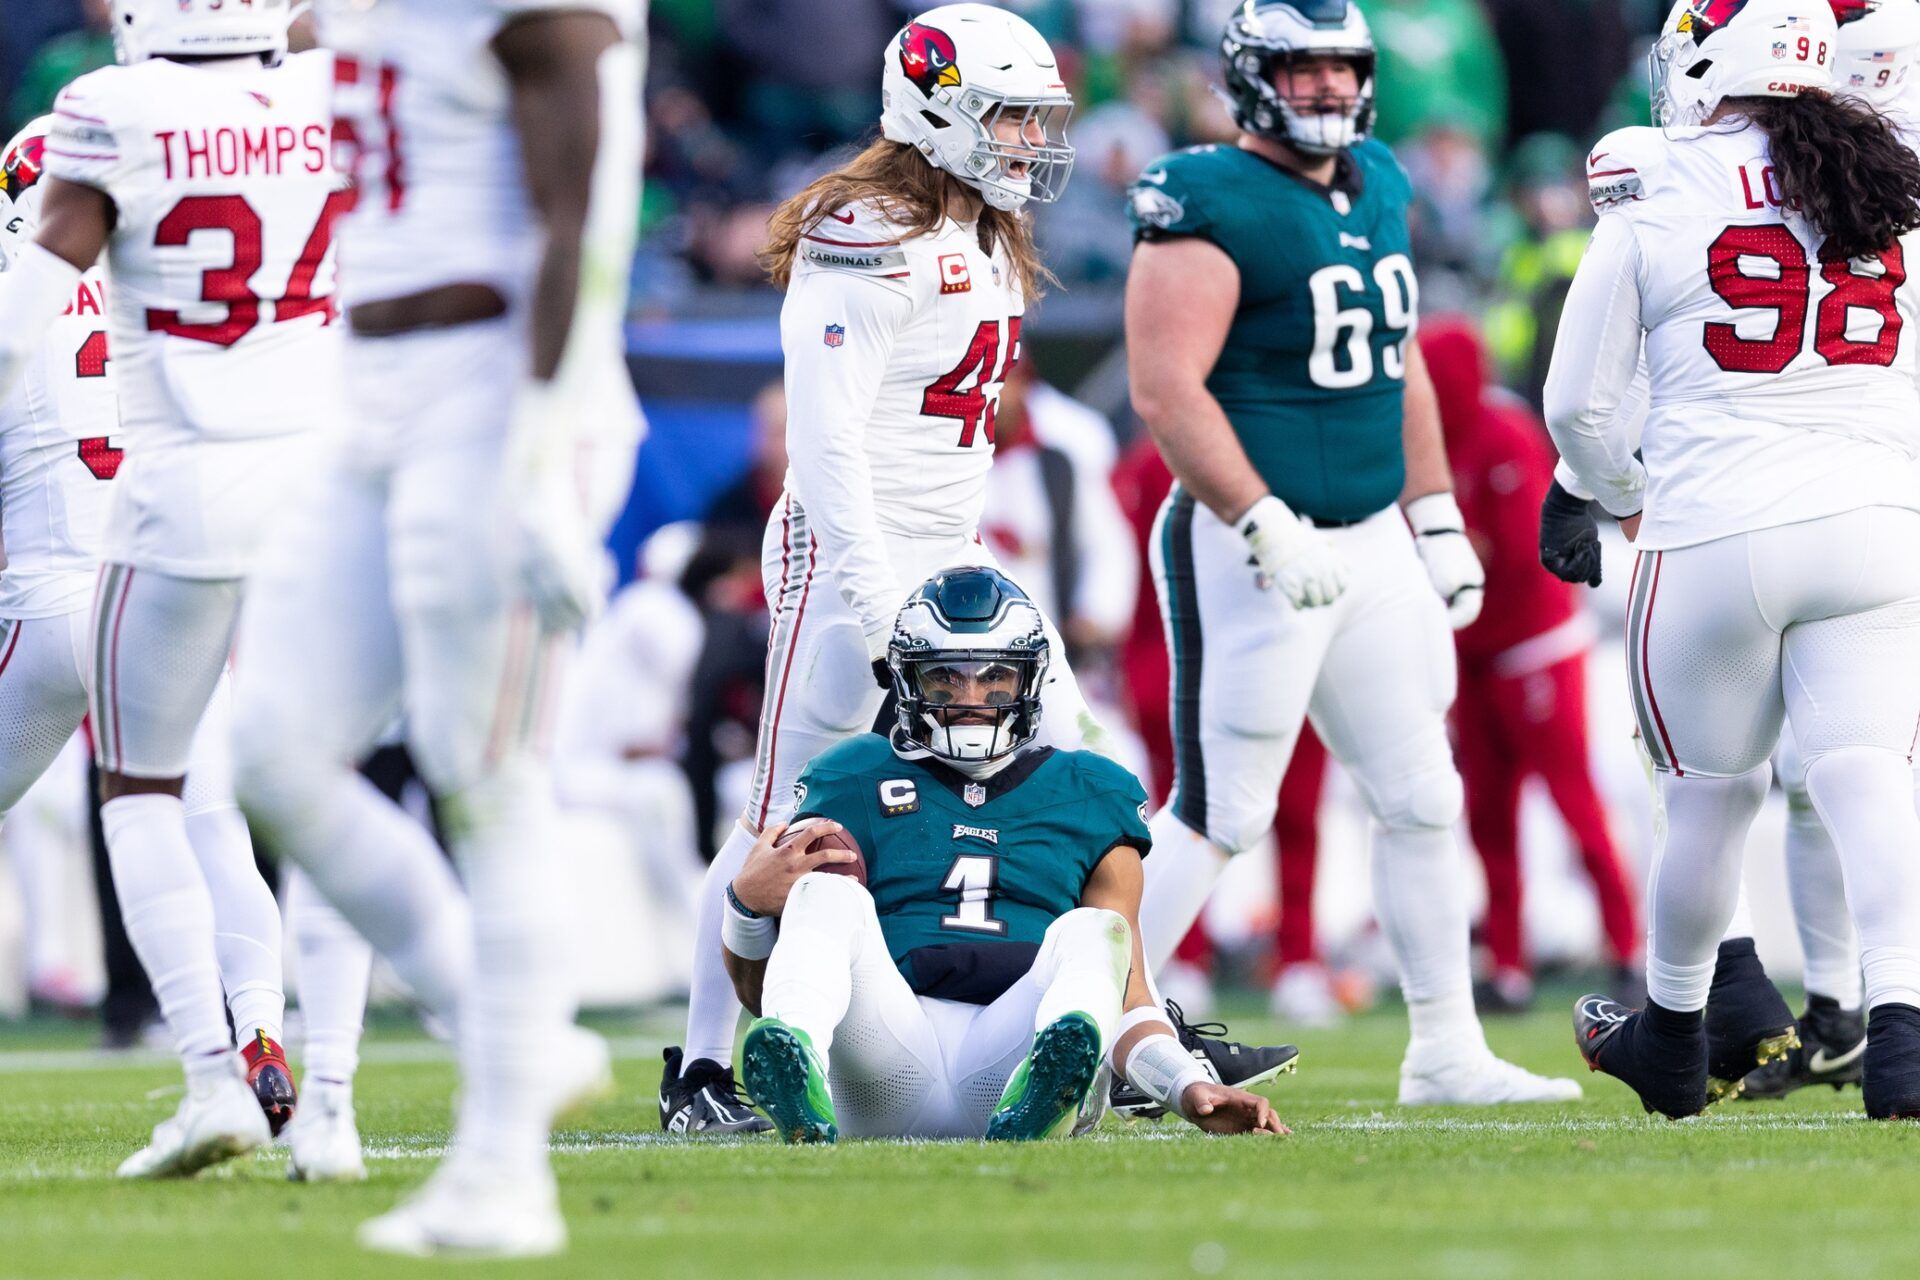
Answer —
908 1066
1815 624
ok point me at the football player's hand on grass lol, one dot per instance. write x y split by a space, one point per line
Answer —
775 863
1218 1108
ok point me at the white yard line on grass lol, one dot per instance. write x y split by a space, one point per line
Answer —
380 1052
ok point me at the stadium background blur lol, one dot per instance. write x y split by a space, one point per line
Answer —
1490 105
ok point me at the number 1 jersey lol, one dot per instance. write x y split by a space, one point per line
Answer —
224 190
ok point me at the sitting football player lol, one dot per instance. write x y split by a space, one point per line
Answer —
947 945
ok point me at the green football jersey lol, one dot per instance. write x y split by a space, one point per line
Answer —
1314 366
966 876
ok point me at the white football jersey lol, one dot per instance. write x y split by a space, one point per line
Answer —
423 126
935 355
222 276
58 451
1781 386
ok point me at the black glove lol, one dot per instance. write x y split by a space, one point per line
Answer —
1569 537
883 674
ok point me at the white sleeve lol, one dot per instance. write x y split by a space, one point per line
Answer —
831 391
89 143
1595 356
1109 578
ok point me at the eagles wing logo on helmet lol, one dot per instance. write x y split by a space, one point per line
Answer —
928 57
22 165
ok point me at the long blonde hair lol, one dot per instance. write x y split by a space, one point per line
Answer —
914 193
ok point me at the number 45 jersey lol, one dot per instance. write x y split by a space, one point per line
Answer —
1314 365
1782 383
967 876
225 193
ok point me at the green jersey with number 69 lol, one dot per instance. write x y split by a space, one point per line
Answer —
966 876
1314 366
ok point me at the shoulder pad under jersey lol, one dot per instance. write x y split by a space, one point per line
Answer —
860 239
1626 167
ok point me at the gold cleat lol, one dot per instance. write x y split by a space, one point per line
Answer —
1768 1050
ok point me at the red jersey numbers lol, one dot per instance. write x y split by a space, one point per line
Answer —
98 455
976 402
232 285
1765 268
90 361
363 118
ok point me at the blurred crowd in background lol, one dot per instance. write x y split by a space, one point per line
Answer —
1490 105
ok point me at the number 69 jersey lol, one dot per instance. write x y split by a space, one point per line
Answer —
1314 366
225 194
57 450
1782 384
966 876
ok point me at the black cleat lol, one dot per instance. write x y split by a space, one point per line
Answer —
1508 993
704 1100
1833 1042
1892 1075
1659 1054
1748 1021
1240 1066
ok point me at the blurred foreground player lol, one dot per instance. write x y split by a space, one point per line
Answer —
199 166
451 541
1780 581
973 981
1277 375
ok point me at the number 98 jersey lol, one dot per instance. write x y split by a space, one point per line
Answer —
225 195
1314 366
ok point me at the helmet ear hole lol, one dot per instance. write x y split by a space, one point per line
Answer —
933 120
1699 68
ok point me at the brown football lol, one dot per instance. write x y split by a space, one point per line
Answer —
838 840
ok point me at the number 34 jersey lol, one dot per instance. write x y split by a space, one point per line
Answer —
967 876
1314 366
224 190
1782 384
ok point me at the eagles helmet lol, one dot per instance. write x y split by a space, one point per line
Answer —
969 654
1711 50
1879 43
145 29
1264 35
955 72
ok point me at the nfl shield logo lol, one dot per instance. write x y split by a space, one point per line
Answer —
836 335
974 794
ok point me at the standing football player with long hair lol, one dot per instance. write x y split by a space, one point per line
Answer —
199 167
1270 304
1777 513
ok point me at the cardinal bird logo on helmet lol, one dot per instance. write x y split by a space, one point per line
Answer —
927 56
22 165
1845 11
1705 16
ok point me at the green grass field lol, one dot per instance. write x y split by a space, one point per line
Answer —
1362 1188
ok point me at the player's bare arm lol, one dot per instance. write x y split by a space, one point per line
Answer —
1115 885
1427 468
1438 526
552 62
1181 297
761 888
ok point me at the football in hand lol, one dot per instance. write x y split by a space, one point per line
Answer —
837 840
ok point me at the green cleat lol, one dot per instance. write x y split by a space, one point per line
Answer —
1046 1093
786 1077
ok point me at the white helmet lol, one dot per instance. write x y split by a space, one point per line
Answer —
1710 50
955 73
1879 44
21 165
145 29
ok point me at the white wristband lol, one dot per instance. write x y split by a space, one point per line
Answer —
1160 1068
749 937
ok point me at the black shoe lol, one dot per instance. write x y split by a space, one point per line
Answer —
1659 1054
1748 1021
1833 1042
1892 1083
704 1100
1240 1066
1628 986
1508 992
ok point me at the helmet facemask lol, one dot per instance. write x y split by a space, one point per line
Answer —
1332 124
1264 46
1035 166
967 706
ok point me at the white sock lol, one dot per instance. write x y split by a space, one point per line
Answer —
1694 885
1419 897
1819 895
1864 796
335 965
378 867
246 920
1181 873
1741 926
713 1011
169 918
504 831
809 980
